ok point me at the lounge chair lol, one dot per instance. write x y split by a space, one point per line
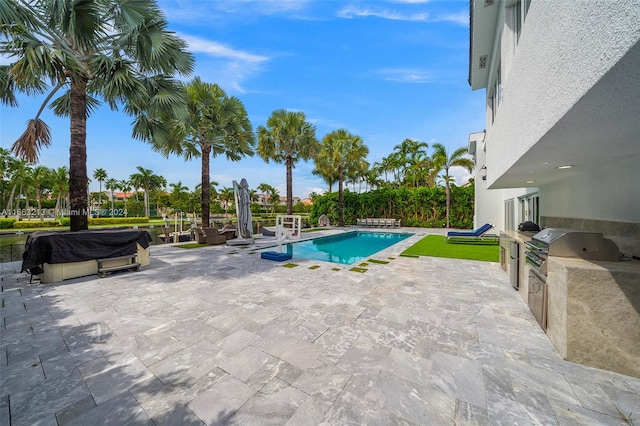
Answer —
477 235
268 232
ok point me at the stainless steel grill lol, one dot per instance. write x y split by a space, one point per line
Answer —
568 243
562 243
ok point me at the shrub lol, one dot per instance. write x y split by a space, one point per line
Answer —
7 223
36 224
117 220
420 207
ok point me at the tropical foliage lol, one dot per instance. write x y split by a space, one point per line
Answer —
443 161
341 155
420 207
215 124
148 181
287 138
113 50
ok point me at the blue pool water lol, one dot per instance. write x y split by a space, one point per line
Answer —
344 248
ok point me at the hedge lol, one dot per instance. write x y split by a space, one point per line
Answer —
419 207
23 224
65 221
6 223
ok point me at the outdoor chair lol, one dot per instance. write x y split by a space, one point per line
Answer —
212 236
200 235
477 235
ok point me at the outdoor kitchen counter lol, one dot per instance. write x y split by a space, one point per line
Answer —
523 270
593 314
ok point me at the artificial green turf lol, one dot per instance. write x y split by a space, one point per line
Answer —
190 245
289 265
435 245
356 269
379 262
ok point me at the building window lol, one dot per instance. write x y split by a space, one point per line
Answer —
530 208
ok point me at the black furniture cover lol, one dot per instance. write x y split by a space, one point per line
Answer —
63 247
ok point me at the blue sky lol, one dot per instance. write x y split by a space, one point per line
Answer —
384 70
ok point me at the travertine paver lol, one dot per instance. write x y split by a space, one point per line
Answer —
204 337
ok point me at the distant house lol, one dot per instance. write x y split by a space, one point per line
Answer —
263 200
121 196
560 146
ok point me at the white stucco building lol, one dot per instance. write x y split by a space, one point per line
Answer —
562 140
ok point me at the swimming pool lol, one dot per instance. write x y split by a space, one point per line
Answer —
346 248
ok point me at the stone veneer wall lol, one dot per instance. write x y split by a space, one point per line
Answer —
625 234
593 315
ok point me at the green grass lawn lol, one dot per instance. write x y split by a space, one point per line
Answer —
436 246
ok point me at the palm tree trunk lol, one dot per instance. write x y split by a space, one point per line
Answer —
448 194
289 186
147 212
13 194
206 188
340 198
39 201
78 156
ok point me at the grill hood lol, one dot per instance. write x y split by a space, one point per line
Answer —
575 243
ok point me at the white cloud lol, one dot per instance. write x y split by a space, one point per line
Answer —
208 47
460 174
227 66
460 18
351 11
404 75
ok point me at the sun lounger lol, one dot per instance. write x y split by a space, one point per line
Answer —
380 223
268 232
477 235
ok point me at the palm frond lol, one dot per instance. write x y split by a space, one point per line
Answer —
7 87
61 105
28 145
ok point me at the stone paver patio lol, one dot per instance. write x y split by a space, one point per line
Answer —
219 336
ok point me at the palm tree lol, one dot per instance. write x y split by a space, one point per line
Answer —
409 155
112 184
60 182
17 171
325 169
444 162
100 175
226 197
287 138
347 153
148 181
125 185
215 124
273 196
178 196
41 179
117 51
